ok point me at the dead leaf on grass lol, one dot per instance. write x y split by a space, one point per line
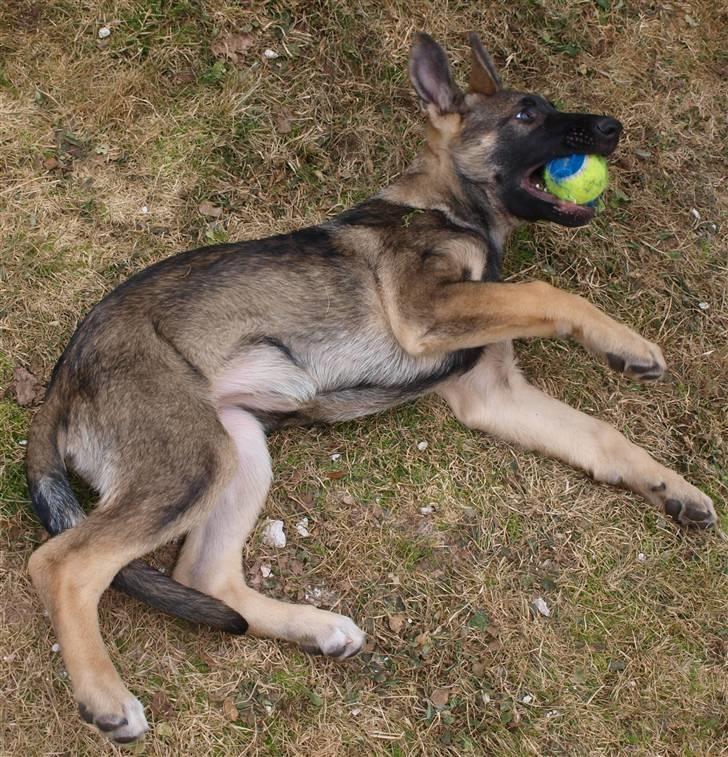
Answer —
396 622
439 698
26 387
229 708
284 122
232 46
160 706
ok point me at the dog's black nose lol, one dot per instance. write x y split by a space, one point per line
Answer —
608 127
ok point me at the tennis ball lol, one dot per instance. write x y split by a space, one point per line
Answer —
577 178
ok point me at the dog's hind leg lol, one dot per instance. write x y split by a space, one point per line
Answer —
211 559
494 397
162 492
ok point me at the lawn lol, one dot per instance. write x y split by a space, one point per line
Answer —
198 122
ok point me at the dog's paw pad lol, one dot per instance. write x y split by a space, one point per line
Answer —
337 636
635 368
124 727
698 514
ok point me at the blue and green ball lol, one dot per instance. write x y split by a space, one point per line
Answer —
581 179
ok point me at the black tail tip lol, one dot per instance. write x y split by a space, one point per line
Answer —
238 626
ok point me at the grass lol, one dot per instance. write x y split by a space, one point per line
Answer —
633 657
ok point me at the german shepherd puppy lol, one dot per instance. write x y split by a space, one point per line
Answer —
163 398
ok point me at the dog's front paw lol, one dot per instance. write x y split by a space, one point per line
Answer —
637 358
684 503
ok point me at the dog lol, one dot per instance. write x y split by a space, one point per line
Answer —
163 398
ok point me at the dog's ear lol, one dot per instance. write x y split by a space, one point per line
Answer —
431 77
484 78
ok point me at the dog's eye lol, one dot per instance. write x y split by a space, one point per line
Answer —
525 116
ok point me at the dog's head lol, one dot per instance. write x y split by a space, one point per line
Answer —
499 140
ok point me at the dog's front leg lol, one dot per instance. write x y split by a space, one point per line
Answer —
495 398
450 317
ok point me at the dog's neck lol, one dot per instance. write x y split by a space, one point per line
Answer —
432 182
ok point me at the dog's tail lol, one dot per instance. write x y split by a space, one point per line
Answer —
56 506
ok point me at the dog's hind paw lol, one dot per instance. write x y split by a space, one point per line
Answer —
332 635
123 726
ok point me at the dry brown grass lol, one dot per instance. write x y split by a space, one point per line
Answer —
633 659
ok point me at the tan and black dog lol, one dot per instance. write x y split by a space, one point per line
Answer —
163 397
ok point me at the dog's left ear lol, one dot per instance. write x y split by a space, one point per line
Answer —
484 78
431 77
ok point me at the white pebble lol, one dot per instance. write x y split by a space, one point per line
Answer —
104 32
336 456
540 606
144 210
526 699
641 557
355 712
695 213
265 570
273 534
703 305
422 446
22 442
270 54
56 647
553 714
427 510
302 528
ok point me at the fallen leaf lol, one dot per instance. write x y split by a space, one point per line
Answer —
26 387
284 122
50 164
160 706
396 622
232 46
206 208
229 709
439 697
335 474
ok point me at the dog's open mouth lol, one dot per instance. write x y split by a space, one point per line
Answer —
533 182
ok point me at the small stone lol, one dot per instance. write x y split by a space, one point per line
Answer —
104 32
22 442
422 446
355 712
540 607
270 54
56 647
206 208
641 557
427 510
616 666
336 456
553 714
273 534
703 305
265 570
695 213
526 699
302 528
440 697
144 210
